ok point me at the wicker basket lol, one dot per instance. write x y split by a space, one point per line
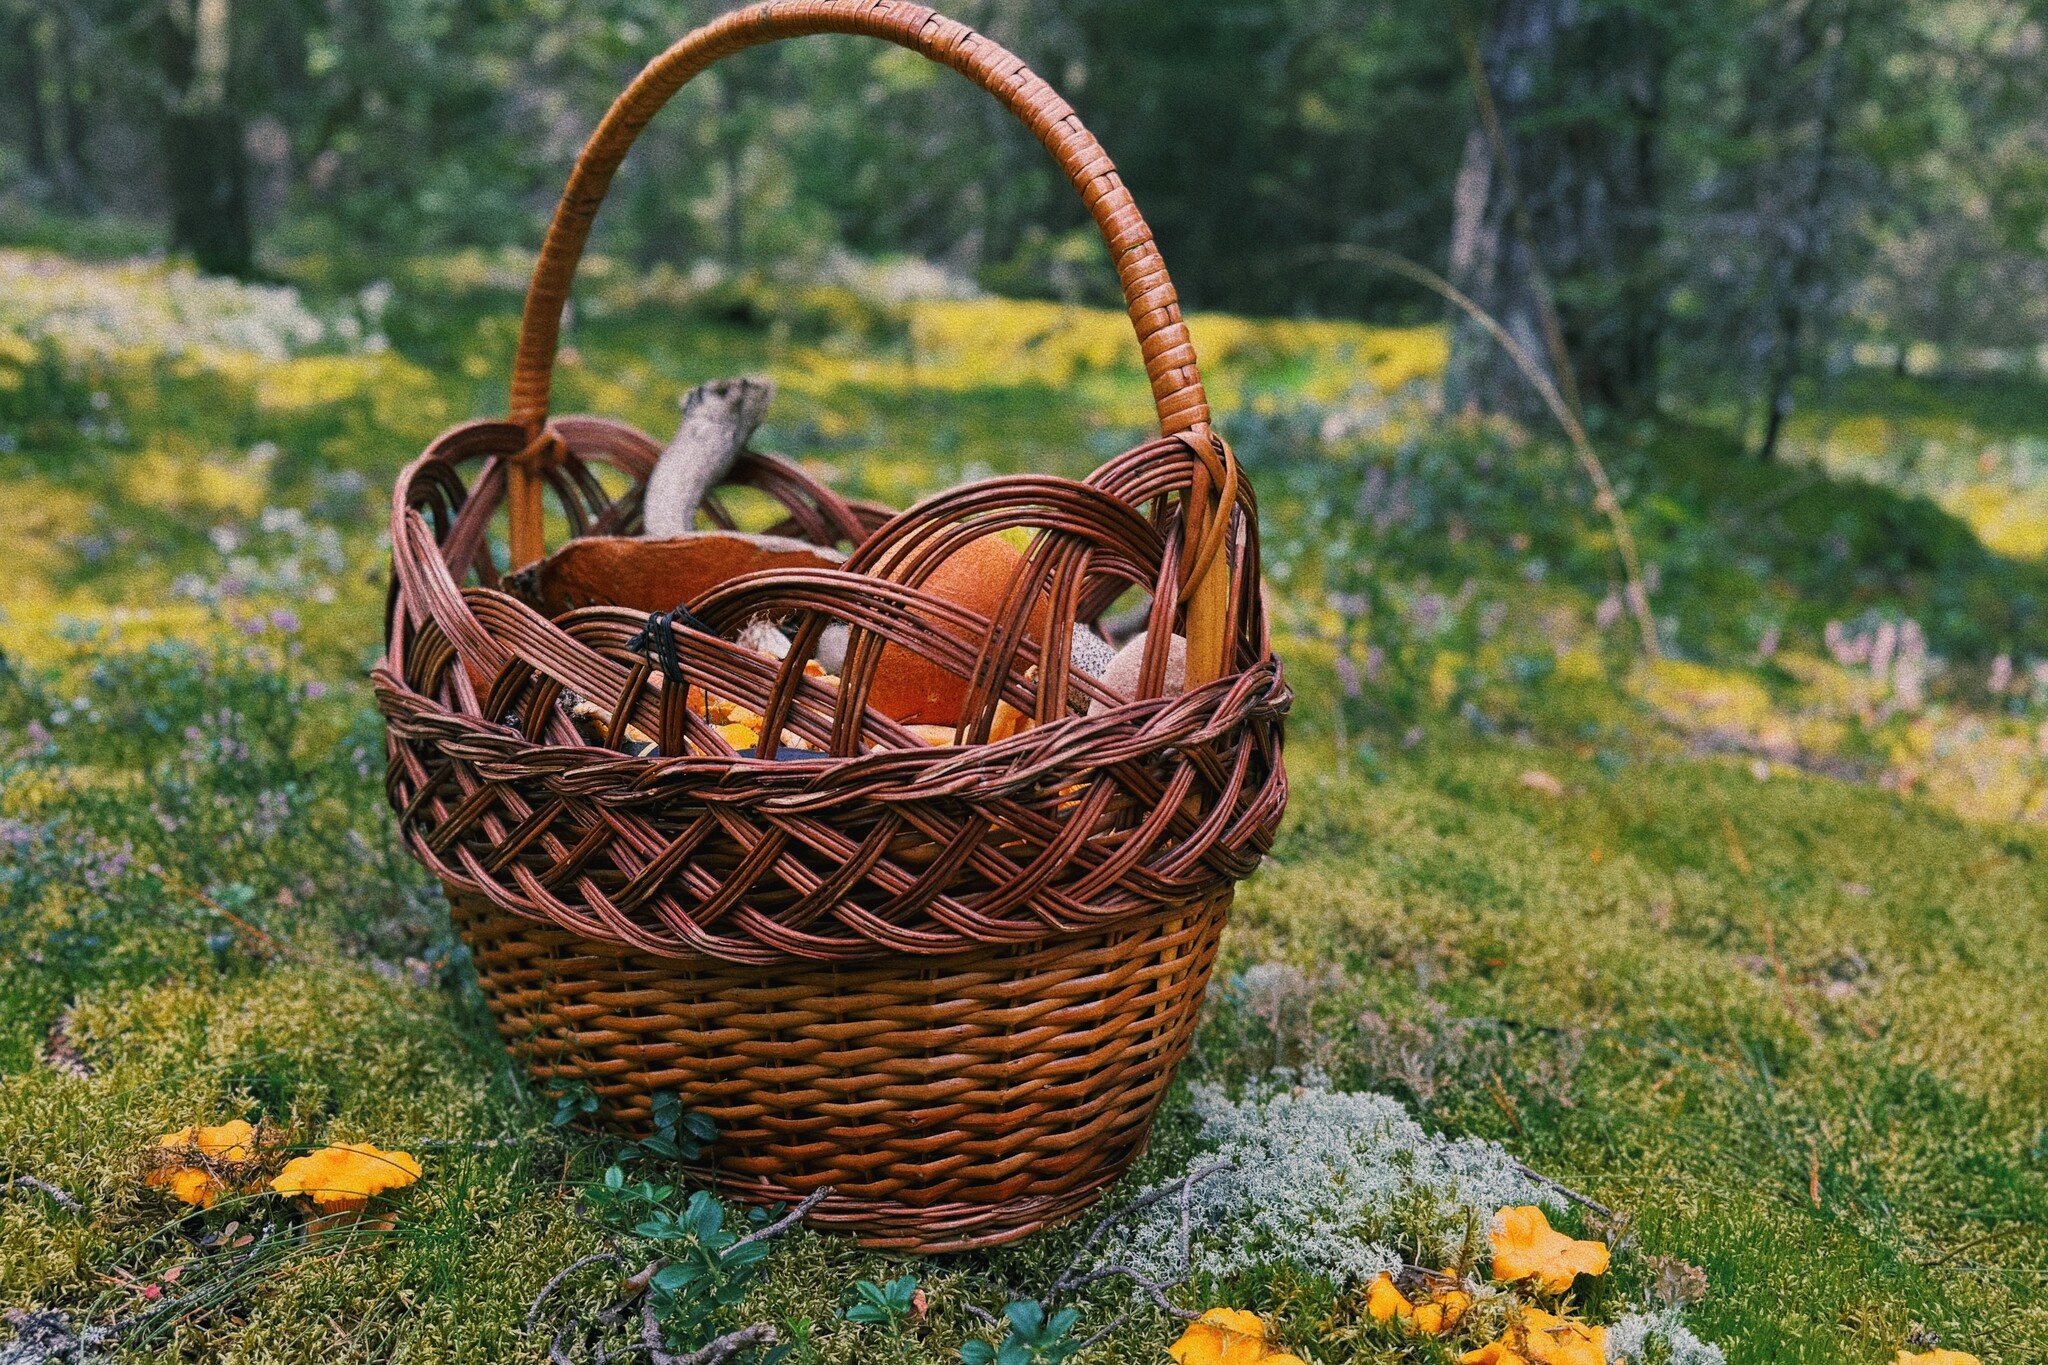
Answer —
951 982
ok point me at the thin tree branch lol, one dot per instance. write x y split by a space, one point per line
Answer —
1589 460
784 1223
1565 1190
724 1348
595 1326
1069 1281
547 1290
44 1187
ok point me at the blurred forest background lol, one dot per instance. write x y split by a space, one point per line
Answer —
1724 198
1729 911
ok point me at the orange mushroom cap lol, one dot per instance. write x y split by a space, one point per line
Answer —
345 1177
1228 1336
1541 1338
185 1155
1525 1246
913 690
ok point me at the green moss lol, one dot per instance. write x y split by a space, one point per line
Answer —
1697 996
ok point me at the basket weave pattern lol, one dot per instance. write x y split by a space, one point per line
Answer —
950 982
991 1091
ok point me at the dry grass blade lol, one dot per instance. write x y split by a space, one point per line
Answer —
1604 497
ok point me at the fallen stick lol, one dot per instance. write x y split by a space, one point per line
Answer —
1565 1190
44 1187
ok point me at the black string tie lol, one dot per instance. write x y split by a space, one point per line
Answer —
657 640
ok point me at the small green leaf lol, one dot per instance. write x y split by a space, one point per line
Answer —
1027 1317
746 1255
705 1215
977 1353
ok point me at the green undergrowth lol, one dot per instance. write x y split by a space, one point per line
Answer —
1722 945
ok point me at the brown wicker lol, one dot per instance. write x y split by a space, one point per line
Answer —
950 982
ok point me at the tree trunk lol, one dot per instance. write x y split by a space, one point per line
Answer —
74 183
1546 196
1803 272
22 38
206 173
732 149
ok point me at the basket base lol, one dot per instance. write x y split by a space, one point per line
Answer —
950 1102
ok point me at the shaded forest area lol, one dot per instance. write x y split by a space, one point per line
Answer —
1704 205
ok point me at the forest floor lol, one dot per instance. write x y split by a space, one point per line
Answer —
1745 945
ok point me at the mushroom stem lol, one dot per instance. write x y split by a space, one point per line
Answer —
718 420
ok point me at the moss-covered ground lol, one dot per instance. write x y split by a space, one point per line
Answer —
1746 945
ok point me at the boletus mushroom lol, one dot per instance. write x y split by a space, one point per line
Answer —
673 563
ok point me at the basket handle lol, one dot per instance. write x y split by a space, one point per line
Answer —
1148 293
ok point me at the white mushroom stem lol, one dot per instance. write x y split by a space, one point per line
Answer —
832 644
761 636
1121 677
1090 653
719 418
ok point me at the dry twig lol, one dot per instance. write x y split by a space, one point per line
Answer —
268 942
547 1290
43 1187
715 1352
1566 1190
1073 1278
593 1329
784 1223
1604 497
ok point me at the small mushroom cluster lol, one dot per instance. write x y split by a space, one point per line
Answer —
1527 1252
675 562
1228 1336
199 1164
340 1185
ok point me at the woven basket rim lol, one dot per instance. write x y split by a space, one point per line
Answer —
1257 693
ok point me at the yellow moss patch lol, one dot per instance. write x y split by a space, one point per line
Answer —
178 474
35 519
29 631
2008 520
